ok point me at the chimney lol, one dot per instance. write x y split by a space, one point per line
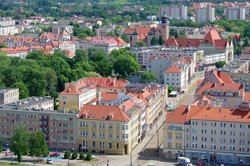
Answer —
218 73
99 97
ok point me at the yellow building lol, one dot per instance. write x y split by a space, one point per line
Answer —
174 133
82 91
108 129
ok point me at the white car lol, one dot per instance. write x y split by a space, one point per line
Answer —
49 161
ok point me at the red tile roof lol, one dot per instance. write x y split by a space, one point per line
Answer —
102 112
211 37
178 116
221 114
142 31
70 89
110 96
173 69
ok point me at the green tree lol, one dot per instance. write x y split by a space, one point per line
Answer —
23 90
148 77
37 144
81 156
219 64
161 41
153 41
20 142
67 155
125 65
170 89
88 157
74 156
125 38
1 144
140 44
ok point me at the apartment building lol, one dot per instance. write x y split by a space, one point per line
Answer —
233 13
213 46
108 44
205 14
176 77
222 89
38 114
108 129
144 54
155 98
158 66
82 91
208 133
9 95
175 12
8 30
147 33
6 21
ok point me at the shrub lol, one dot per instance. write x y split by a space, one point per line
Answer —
81 156
74 156
88 157
67 155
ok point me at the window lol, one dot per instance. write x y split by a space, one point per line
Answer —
93 144
110 135
117 145
84 144
93 124
93 134
110 145
110 126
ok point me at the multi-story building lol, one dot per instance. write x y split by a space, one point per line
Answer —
215 48
9 95
84 90
155 98
176 12
5 21
147 33
235 13
222 89
205 14
143 54
108 129
158 66
106 43
208 133
8 30
38 114
237 66
176 77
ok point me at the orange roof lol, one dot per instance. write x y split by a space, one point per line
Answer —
221 114
247 96
102 112
178 116
142 31
173 69
212 37
70 89
109 96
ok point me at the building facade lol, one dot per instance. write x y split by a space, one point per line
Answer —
235 13
9 95
175 12
205 14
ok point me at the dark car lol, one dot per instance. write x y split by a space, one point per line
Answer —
54 154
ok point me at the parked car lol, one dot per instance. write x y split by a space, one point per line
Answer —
184 161
55 154
49 161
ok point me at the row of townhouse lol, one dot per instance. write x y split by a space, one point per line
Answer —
222 90
110 118
207 133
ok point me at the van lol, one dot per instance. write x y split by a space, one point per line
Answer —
184 161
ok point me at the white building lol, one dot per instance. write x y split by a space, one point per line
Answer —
235 13
143 54
5 21
208 133
106 43
176 12
8 30
177 77
9 95
206 14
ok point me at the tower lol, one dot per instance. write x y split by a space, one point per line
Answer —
164 27
133 38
